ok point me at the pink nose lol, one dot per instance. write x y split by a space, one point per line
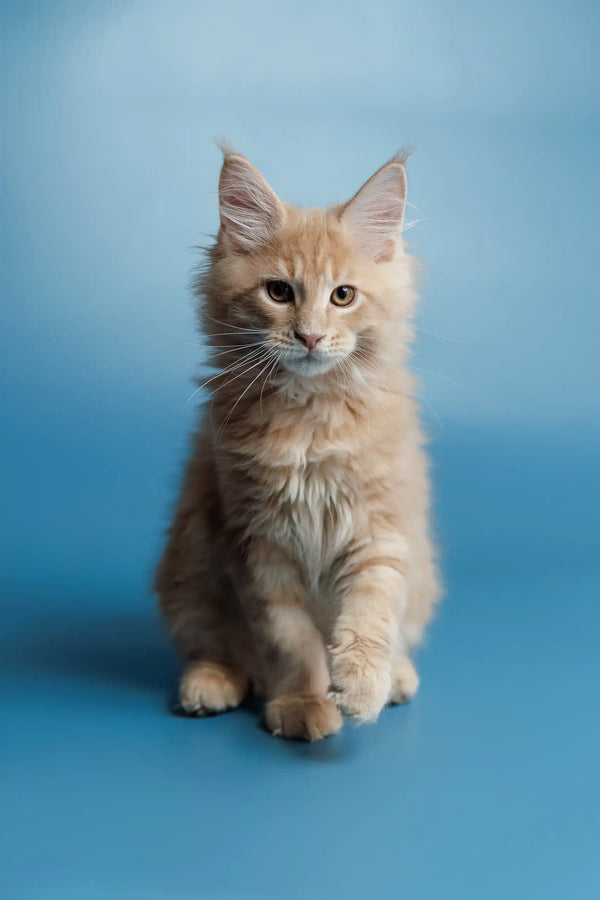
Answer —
309 340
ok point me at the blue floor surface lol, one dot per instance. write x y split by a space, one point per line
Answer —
486 786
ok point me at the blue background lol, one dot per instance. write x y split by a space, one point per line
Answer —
487 786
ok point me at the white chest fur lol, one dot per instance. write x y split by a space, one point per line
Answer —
313 516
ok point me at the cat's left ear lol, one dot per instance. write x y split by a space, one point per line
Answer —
374 215
250 209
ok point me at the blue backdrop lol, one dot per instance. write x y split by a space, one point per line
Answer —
487 785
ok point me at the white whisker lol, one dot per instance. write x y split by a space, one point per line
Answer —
256 359
441 337
267 376
236 327
426 402
243 394
436 375
238 364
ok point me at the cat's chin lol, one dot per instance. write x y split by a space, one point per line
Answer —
308 365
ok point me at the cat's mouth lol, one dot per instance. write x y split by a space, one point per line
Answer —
314 362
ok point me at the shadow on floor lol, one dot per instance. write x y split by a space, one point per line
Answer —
128 650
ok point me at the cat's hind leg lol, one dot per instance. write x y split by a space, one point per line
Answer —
204 617
423 594
207 627
207 688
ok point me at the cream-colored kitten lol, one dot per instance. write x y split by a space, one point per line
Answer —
300 560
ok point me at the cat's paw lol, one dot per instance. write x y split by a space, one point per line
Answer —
405 681
307 718
359 686
207 688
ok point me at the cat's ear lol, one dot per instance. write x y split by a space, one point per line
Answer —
250 209
374 215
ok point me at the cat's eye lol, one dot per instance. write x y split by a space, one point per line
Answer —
343 295
280 291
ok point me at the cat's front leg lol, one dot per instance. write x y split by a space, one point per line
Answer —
291 648
365 636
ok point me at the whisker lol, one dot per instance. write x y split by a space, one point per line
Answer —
426 402
242 395
414 224
242 371
371 362
231 325
256 359
233 347
441 337
238 364
267 376
367 385
436 375
210 334
346 370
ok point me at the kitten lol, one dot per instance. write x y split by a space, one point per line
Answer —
300 561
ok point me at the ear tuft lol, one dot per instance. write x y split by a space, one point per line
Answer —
374 215
250 210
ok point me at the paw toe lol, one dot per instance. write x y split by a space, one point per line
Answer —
208 688
405 682
302 718
360 691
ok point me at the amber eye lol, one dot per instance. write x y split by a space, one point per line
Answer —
343 295
280 291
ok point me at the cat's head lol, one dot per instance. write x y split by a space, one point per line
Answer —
309 290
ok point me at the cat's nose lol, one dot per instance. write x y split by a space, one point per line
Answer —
309 340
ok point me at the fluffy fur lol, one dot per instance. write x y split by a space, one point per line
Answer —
300 560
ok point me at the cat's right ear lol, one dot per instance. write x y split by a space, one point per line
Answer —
374 215
250 209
